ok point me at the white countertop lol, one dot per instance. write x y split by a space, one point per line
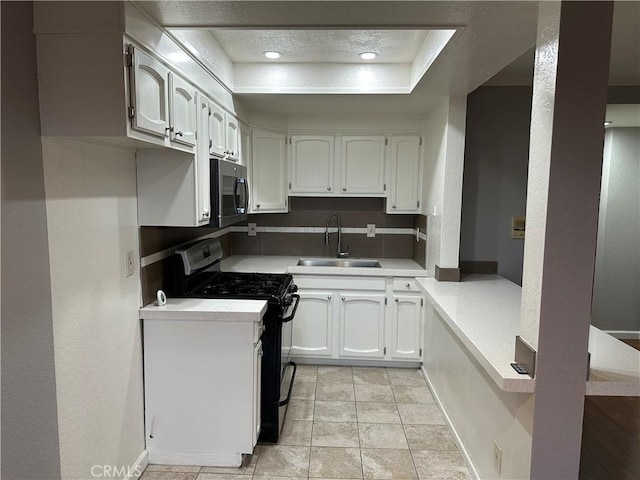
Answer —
484 312
206 309
390 267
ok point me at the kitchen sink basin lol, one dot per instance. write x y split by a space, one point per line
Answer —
338 262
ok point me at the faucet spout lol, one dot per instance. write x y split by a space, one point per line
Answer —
339 252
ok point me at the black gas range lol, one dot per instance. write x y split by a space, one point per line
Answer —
196 275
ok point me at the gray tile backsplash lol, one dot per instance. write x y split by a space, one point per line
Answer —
304 212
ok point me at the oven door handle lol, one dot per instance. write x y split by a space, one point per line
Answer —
295 307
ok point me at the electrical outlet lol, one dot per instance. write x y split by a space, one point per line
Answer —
129 265
371 230
252 230
497 457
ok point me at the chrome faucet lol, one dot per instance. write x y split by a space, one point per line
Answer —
339 252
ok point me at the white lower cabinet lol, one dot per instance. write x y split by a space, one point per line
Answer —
313 325
358 318
406 327
257 392
202 391
362 325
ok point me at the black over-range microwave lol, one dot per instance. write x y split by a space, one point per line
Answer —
229 193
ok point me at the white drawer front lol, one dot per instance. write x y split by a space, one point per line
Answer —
406 284
320 282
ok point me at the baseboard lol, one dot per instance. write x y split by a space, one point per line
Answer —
624 334
352 362
472 469
137 469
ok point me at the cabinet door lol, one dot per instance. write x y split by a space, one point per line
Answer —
268 173
362 325
311 164
406 323
151 94
363 164
232 135
203 181
245 145
313 325
182 111
216 131
405 175
257 392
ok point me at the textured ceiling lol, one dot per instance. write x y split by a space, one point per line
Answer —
494 34
321 46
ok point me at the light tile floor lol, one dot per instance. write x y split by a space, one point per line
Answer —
349 423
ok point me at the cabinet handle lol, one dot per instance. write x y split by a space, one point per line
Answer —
393 206
343 299
168 130
205 214
397 300
329 297
329 188
344 189
258 206
179 132
408 285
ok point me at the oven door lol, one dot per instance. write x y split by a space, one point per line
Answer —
288 368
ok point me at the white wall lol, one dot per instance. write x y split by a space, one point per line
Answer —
435 127
495 176
444 131
91 209
616 289
480 413
29 417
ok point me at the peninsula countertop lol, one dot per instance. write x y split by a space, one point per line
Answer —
484 313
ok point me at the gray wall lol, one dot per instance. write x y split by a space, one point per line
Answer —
616 288
495 176
30 448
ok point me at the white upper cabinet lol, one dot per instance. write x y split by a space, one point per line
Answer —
363 165
150 109
224 133
173 186
312 160
232 134
405 175
245 145
268 173
217 131
203 164
182 119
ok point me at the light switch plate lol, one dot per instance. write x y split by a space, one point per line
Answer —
252 230
129 263
371 230
517 227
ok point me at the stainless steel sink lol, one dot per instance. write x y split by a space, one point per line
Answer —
338 262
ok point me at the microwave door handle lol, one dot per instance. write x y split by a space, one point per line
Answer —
235 195
246 195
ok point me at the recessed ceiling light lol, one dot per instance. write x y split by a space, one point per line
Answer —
368 55
272 55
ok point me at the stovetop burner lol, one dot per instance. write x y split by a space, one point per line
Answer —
245 285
